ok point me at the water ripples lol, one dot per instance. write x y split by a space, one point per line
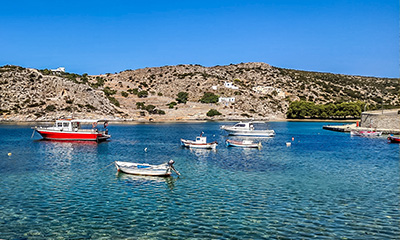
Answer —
326 186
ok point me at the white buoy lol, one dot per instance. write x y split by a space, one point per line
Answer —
288 144
145 149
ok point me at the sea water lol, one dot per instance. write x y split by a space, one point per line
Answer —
325 185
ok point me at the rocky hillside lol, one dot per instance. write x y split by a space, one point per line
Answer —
28 94
259 91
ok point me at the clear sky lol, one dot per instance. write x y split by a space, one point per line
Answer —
358 37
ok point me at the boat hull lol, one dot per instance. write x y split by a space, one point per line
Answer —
143 169
366 133
253 133
192 144
76 136
243 145
393 139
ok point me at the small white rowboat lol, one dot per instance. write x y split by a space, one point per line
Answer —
162 170
244 143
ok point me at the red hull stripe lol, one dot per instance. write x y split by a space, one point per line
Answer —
72 136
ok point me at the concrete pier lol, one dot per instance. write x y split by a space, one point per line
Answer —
353 127
385 121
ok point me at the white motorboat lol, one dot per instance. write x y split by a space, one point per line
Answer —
247 129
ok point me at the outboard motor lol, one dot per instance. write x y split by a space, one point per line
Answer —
170 164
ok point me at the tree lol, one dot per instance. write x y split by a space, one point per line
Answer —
213 112
124 94
171 104
209 97
182 97
143 94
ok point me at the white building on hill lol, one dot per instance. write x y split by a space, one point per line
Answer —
226 99
60 69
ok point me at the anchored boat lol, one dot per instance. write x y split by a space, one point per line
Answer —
71 129
247 129
244 144
162 170
200 142
393 139
365 133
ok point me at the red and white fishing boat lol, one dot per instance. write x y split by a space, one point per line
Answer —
71 130
393 139
200 142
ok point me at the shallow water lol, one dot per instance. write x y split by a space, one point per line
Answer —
326 185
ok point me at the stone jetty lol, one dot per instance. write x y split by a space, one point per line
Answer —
385 121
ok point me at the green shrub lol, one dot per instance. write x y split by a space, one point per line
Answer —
108 91
99 82
209 97
182 97
90 107
143 94
150 108
124 94
213 112
161 112
171 104
133 91
140 105
114 101
50 108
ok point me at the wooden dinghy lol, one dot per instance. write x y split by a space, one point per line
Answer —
162 170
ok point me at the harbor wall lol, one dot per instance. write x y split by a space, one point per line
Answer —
387 119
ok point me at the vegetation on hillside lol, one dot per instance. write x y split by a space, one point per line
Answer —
213 112
209 97
151 109
182 97
304 109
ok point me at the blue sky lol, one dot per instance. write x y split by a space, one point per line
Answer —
357 37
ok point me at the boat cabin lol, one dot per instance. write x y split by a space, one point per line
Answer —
72 125
242 125
64 125
201 139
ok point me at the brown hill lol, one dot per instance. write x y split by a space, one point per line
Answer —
264 92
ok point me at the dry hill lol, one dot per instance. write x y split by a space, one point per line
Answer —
263 92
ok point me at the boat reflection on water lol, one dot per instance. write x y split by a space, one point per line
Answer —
144 180
202 153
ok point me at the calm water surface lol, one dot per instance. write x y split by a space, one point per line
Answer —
327 185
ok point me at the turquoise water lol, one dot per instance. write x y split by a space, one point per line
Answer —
327 185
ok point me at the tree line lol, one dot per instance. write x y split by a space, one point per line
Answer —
305 109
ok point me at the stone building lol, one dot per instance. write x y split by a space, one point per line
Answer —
386 119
